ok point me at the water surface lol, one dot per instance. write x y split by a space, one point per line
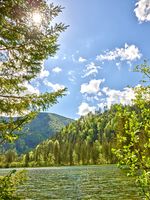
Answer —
104 182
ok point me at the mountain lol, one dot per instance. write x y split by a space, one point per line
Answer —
86 141
42 127
92 139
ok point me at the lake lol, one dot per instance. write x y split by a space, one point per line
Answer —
78 183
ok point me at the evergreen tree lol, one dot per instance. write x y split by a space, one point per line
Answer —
27 38
27 159
57 152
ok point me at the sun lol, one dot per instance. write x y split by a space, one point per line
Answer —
37 18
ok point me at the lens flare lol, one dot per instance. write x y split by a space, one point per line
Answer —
37 18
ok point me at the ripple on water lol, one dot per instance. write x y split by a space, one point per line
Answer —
79 183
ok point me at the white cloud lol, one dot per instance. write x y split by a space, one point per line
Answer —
92 87
102 105
81 59
71 75
84 109
43 73
123 97
127 53
30 89
117 64
99 94
142 10
55 87
91 69
56 69
91 99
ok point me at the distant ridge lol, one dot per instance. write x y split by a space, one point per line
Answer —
39 129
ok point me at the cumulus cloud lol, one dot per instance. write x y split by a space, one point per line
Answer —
127 53
91 69
92 87
56 69
84 109
55 87
81 59
30 89
123 97
92 98
142 10
44 73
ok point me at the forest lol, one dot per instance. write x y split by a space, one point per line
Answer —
88 141
118 134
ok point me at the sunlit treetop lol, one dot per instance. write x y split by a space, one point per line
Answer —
37 18
28 36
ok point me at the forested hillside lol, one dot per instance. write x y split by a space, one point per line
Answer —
89 140
92 139
39 129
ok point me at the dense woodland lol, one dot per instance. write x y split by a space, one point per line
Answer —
85 141
89 140
41 128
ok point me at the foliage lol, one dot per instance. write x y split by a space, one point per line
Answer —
133 135
41 128
9 185
24 45
144 68
86 141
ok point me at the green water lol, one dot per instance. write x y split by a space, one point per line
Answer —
77 183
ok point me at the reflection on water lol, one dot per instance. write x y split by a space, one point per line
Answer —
79 183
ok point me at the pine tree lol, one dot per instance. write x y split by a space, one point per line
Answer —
27 38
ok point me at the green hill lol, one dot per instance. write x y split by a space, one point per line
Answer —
41 128
88 140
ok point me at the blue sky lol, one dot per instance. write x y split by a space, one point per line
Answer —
105 40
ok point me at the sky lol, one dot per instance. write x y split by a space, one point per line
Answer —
105 40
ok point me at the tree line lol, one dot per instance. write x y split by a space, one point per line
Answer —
89 140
